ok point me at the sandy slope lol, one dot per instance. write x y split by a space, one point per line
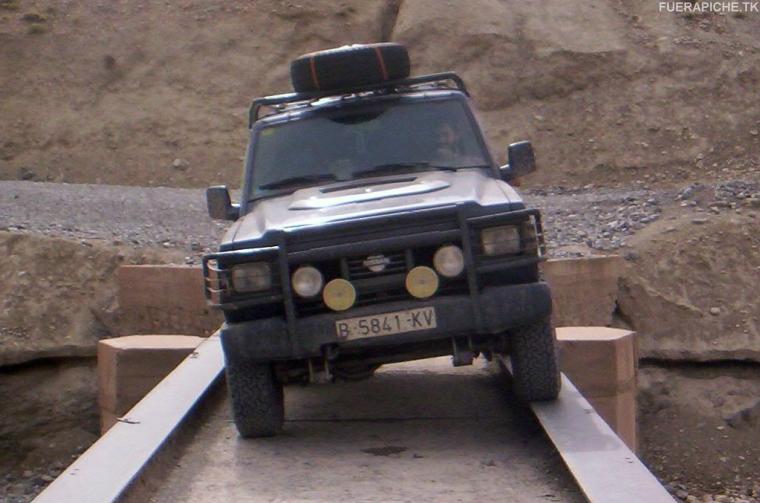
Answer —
609 92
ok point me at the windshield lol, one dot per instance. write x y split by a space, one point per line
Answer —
365 140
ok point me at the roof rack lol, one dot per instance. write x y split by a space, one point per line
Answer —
282 99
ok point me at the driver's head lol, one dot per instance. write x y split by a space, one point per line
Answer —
446 136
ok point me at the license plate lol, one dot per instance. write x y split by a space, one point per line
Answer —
397 322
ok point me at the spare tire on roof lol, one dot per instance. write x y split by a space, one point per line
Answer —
349 67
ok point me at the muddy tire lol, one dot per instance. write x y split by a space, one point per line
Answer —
257 399
535 366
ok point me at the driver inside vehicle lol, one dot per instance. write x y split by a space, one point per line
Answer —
450 149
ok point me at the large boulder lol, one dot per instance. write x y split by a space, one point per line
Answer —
58 295
692 293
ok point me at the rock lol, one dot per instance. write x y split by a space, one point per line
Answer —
666 293
631 255
33 17
699 220
25 173
747 416
180 164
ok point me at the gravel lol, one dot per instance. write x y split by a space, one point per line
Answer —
575 220
133 216
600 219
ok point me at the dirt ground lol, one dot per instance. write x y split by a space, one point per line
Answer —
700 428
146 93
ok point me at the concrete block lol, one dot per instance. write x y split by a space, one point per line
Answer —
584 290
129 367
602 363
165 299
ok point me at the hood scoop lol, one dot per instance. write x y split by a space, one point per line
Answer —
365 183
311 199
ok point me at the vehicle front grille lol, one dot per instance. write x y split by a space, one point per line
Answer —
381 285
385 264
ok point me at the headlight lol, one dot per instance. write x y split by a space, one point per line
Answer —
501 240
307 281
253 277
449 261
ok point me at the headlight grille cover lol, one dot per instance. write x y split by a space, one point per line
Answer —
253 277
502 240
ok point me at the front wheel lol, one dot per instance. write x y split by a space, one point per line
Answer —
257 399
535 364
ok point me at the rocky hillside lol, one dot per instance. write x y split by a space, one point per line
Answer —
147 93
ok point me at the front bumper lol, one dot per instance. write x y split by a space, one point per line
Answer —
499 308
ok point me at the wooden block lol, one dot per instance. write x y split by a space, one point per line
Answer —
619 412
602 364
165 299
584 290
129 367
161 286
600 361
107 419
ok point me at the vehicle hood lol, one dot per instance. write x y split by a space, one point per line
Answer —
342 201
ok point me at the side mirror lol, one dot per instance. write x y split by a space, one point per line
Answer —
220 205
521 161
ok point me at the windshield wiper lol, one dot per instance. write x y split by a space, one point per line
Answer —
298 180
397 166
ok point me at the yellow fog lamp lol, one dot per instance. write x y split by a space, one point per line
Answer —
339 294
422 282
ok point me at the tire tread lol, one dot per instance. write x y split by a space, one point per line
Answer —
535 362
257 399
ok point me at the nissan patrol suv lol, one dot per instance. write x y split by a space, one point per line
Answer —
374 227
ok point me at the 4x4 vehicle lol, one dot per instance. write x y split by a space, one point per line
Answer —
374 227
